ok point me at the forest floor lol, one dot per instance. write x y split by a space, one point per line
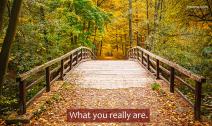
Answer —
166 109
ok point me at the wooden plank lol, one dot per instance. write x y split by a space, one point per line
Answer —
56 78
74 63
35 82
35 96
66 62
110 74
185 83
184 97
55 70
165 70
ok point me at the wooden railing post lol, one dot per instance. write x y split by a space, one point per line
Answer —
71 61
133 53
157 69
86 54
22 96
148 62
130 53
77 57
61 69
138 54
142 57
47 79
172 80
197 104
81 51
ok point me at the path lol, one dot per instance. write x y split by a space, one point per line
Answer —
114 84
110 75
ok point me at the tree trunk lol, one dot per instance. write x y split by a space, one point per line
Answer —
94 40
161 9
130 23
10 34
156 23
147 16
72 38
157 5
101 48
117 46
122 44
3 4
8 9
43 21
209 3
125 38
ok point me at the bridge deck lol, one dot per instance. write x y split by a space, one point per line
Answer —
103 74
115 84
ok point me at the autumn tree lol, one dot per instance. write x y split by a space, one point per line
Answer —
6 47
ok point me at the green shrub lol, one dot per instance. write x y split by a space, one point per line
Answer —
155 86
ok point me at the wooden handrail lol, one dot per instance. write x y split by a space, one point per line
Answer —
172 64
43 66
139 53
66 62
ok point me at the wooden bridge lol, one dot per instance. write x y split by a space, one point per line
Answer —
138 72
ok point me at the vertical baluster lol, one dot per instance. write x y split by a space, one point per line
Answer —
138 54
133 53
197 104
142 57
86 54
81 53
71 61
129 53
157 69
22 96
47 79
77 57
61 69
172 79
148 62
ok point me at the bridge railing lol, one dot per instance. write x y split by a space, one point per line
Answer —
171 72
47 73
